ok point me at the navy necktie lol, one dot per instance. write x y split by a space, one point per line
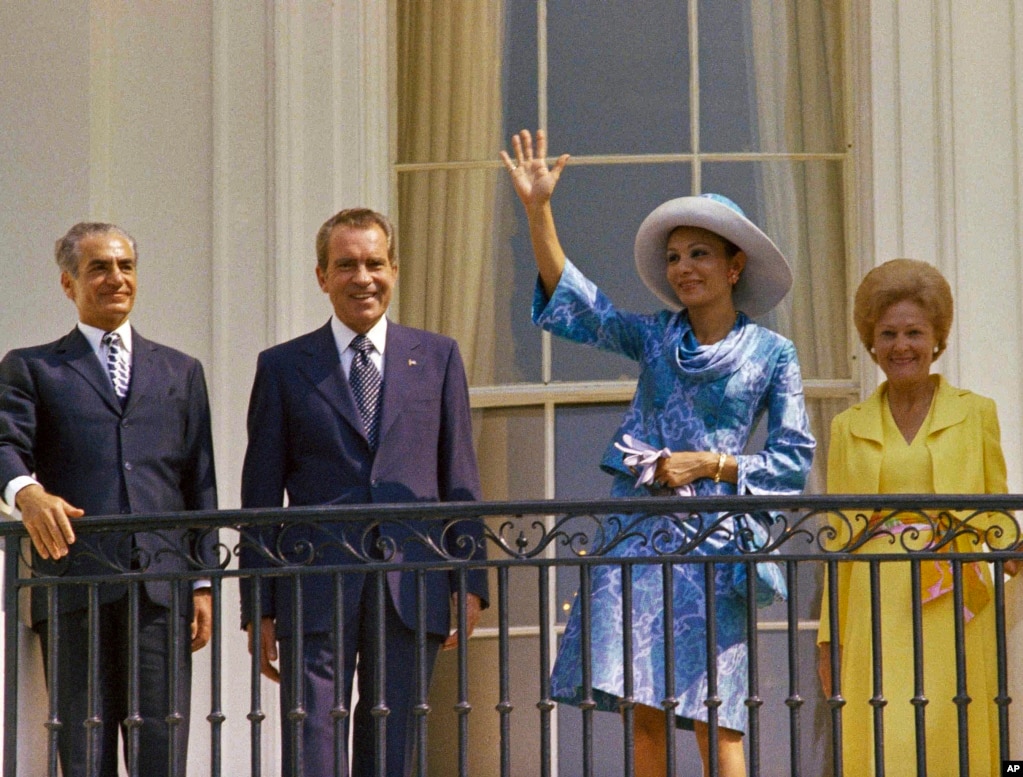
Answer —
118 365
366 382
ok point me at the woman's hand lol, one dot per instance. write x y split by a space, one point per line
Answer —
534 182
683 467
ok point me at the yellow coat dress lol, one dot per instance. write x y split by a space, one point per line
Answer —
957 450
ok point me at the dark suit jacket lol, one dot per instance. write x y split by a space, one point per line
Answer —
306 439
61 421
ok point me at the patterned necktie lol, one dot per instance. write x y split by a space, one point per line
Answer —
366 382
117 364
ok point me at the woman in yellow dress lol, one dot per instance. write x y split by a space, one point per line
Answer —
916 434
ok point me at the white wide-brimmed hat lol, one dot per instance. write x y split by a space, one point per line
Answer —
766 278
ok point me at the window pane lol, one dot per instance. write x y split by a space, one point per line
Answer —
771 76
520 68
619 82
727 90
599 208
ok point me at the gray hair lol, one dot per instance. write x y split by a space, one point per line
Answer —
67 251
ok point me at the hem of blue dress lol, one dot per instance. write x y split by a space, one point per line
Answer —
606 701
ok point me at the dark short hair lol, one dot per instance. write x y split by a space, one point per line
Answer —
898 280
67 251
358 218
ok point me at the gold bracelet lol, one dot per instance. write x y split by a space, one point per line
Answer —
721 466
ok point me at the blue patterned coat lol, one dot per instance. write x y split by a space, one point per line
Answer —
689 397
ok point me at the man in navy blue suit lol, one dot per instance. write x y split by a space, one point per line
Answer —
312 438
102 422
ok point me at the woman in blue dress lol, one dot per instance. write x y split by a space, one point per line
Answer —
708 373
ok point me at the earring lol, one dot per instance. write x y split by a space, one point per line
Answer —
936 349
873 349
733 277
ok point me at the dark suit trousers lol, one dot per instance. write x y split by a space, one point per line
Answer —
111 693
362 650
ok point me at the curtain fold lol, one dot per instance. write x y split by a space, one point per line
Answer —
797 64
450 109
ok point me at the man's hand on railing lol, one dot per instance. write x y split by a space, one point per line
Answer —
202 618
267 647
48 520
473 607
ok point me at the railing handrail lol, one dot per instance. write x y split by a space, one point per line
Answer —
811 504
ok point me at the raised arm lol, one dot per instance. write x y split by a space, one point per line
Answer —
534 184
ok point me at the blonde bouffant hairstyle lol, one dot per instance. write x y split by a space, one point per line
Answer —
898 280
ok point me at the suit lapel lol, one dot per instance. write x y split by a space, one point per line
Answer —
321 366
142 370
80 357
948 409
401 368
868 438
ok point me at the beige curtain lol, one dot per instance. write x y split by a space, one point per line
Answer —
450 111
798 74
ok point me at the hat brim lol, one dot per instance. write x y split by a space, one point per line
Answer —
766 278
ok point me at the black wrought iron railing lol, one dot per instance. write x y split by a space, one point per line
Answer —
537 554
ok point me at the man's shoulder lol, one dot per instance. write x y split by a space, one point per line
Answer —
310 340
401 332
142 345
43 350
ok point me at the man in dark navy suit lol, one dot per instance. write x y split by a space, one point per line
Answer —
360 411
101 422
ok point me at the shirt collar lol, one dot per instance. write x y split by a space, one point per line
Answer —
343 334
95 335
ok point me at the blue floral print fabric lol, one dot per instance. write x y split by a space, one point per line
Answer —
688 397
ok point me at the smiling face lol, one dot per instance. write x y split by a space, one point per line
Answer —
904 343
700 269
359 277
104 287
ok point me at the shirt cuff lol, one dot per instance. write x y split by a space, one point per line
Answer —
11 492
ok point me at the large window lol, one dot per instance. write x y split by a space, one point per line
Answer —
653 100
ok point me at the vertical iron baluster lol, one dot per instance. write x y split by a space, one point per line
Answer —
133 723
669 703
836 700
877 700
504 705
795 700
422 708
713 700
297 713
93 722
962 697
256 715
339 712
587 704
10 765
628 703
545 705
380 709
175 717
1002 699
463 707
216 717
753 700
919 693
54 724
